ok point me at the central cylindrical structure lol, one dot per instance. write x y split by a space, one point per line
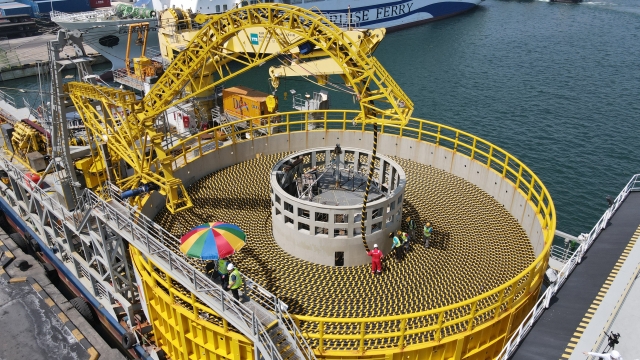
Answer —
317 199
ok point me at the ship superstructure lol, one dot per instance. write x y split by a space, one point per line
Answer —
105 30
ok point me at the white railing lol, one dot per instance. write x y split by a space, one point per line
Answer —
145 234
561 253
7 98
544 300
81 16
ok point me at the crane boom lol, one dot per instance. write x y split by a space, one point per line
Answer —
127 125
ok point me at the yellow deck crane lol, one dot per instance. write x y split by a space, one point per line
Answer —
125 128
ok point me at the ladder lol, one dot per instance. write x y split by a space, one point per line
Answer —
223 119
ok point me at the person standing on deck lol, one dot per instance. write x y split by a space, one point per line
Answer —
224 273
376 260
397 245
235 281
405 242
412 228
427 234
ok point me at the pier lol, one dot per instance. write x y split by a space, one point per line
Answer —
19 58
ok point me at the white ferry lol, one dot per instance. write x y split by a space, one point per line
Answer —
105 30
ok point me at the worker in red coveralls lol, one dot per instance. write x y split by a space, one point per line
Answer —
376 260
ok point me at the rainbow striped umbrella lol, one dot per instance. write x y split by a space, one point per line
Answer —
212 241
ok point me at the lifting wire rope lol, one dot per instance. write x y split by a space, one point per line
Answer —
372 164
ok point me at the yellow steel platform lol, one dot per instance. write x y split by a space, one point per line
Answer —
458 299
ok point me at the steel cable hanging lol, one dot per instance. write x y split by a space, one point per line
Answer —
372 164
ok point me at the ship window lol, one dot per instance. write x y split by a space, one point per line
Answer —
217 8
224 7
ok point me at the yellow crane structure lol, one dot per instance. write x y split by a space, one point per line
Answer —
127 126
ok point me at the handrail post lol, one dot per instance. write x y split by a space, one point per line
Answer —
321 334
498 309
403 328
506 165
194 305
439 328
362 334
474 308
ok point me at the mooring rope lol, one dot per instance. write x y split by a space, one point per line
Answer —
366 191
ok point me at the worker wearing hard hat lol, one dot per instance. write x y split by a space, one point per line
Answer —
235 281
405 242
613 355
224 273
376 260
427 234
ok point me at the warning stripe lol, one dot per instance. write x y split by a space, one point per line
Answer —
601 294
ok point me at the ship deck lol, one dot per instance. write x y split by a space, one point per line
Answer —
592 299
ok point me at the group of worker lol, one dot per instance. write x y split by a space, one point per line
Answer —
230 277
401 244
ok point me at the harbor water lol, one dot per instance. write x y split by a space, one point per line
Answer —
556 85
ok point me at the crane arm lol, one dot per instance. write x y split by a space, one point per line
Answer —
138 144
210 59
293 29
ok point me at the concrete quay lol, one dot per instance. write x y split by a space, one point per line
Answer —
19 57
37 320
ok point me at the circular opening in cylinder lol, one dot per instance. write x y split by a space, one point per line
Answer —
317 197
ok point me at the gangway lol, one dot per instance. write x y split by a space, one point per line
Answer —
263 319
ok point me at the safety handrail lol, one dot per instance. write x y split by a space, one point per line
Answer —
7 98
488 306
576 258
459 141
257 293
245 319
561 253
81 16
286 318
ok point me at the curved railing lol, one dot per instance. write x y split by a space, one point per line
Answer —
401 331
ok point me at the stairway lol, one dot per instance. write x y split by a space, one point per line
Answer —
286 349
249 317
252 317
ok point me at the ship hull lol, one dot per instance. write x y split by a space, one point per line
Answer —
368 14
110 323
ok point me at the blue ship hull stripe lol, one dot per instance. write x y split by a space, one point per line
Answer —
436 10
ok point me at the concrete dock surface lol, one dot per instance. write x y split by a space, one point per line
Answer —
37 320
19 57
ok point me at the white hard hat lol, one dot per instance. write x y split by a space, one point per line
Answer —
614 354
230 267
375 245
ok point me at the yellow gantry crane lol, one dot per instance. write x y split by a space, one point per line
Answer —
125 128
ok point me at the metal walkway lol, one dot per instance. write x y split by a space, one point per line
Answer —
263 319
554 329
